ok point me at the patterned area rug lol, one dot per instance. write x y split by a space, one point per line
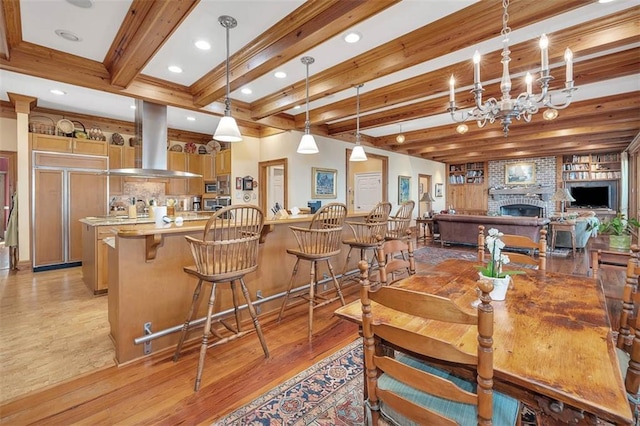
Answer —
435 255
328 393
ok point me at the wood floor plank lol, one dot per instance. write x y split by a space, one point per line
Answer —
154 390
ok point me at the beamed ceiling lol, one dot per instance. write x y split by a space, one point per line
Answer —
407 53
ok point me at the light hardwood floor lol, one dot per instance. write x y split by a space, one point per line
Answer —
56 359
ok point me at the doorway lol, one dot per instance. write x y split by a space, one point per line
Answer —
425 195
375 164
8 175
272 185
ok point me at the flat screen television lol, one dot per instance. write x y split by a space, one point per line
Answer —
591 196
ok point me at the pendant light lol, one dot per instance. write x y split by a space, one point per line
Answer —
400 138
358 153
227 130
307 143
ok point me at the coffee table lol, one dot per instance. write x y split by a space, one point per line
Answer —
601 254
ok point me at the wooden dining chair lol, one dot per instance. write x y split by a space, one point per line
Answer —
227 252
628 341
407 390
537 251
367 234
398 224
319 242
395 260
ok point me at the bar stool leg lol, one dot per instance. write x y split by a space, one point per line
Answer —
312 288
336 283
236 312
286 296
254 317
346 264
185 327
205 337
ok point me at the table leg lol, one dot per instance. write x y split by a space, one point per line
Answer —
595 255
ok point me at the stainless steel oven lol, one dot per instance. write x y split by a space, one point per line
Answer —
215 203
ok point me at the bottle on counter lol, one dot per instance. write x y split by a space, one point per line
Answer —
133 209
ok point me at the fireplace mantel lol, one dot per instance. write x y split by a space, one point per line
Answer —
545 193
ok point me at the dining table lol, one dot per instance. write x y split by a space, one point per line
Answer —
553 344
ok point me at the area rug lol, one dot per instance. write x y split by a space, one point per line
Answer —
328 393
559 252
435 255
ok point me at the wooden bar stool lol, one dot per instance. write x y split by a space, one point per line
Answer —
319 242
366 234
227 252
398 224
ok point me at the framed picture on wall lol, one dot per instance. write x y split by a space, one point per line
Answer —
323 183
520 173
439 190
404 188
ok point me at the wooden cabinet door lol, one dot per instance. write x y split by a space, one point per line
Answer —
102 266
115 162
176 161
90 147
48 214
208 170
223 162
195 164
87 197
51 143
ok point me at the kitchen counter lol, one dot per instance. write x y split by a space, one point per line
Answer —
147 283
125 220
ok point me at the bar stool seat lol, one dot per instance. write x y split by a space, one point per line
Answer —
319 242
368 234
227 252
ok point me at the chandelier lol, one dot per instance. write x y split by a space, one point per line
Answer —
525 104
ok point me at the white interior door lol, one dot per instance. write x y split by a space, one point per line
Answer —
368 191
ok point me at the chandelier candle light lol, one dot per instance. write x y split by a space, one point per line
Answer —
358 153
227 130
307 143
526 104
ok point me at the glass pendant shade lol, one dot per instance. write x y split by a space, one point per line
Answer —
358 154
227 130
307 145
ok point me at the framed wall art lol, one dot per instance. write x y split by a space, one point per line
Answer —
404 188
323 183
439 190
520 173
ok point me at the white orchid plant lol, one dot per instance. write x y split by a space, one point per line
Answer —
495 245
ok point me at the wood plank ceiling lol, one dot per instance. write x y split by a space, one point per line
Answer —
606 48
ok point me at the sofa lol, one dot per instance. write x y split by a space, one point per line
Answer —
585 222
463 229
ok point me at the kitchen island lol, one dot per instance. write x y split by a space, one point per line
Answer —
149 292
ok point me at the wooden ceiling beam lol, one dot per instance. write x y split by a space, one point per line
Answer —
11 25
146 27
438 38
308 26
584 39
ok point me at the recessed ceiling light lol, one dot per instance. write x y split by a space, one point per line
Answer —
462 128
352 37
67 35
296 107
175 68
191 119
605 1
280 74
246 91
550 114
85 4
57 92
132 106
203 45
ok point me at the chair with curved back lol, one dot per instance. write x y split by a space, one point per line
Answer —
628 341
227 252
519 242
319 242
406 390
395 258
398 224
366 234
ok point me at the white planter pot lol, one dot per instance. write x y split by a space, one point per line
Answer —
500 287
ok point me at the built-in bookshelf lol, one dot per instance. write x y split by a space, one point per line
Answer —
591 167
467 173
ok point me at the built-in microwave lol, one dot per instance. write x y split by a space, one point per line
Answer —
215 203
210 187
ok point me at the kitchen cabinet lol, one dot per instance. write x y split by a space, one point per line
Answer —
208 168
66 189
176 161
120 157
53 143
95 265
223 162
195 164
